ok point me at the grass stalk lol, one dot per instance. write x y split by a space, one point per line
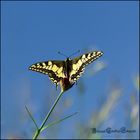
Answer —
38 131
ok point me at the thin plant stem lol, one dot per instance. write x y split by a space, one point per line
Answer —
31 117
47 116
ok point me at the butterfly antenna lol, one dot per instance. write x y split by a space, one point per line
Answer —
74 53
62 54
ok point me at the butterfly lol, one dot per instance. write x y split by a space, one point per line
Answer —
67 72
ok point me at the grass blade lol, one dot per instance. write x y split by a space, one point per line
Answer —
56 122
30 114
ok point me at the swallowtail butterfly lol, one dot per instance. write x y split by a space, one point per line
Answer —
66 73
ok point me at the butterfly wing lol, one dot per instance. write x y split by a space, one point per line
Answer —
54 69
79 63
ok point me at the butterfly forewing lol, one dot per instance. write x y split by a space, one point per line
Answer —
79 63
54 69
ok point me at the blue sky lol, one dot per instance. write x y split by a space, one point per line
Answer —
35 31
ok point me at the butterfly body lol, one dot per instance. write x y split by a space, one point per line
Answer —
67 67
66 73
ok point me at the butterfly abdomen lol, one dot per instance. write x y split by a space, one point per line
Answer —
65 84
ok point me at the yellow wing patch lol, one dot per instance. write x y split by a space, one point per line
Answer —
54 68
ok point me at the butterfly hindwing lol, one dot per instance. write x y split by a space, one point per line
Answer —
54 69
79 63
